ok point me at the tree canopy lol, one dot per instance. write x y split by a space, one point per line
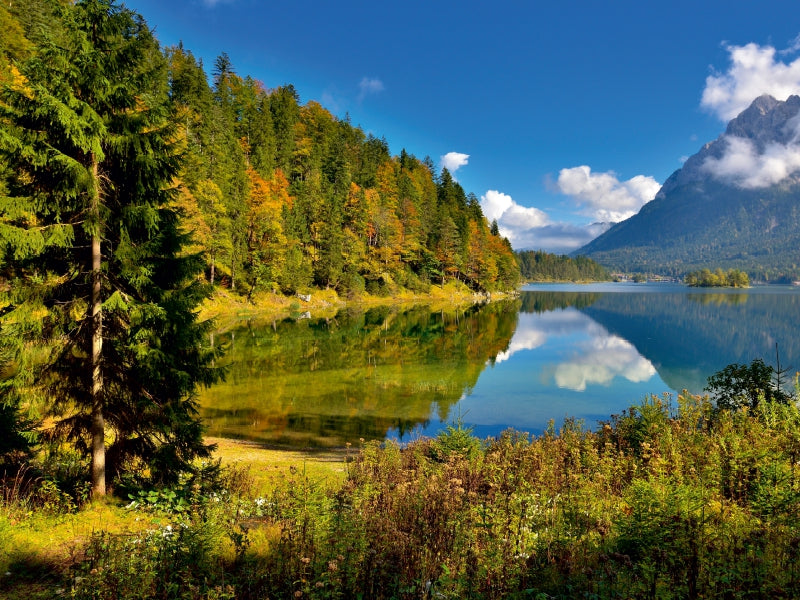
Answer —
719 278
131 183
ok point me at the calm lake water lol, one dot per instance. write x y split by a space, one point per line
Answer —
559 351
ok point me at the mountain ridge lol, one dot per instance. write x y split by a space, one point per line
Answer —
709 214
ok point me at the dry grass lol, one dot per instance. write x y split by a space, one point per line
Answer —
37 548
266 466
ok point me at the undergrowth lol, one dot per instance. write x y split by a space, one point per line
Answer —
663 501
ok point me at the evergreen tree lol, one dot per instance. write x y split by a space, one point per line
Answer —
93 253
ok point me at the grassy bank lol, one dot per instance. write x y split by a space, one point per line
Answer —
228 308
45 534
664 501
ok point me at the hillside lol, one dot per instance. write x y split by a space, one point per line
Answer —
280 195
700 219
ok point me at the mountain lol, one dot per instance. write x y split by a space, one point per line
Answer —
734 204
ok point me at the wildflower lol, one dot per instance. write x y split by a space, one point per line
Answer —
260 501
305 560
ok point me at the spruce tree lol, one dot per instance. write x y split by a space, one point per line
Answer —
99 297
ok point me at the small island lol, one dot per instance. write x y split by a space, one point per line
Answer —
706 278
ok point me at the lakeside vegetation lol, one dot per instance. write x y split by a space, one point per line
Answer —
666 500
537 265
692 499
733 278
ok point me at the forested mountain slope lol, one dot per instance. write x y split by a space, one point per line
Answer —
537 265
284 196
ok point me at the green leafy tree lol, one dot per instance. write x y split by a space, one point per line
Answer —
100 299
739 386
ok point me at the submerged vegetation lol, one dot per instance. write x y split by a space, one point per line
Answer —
327 381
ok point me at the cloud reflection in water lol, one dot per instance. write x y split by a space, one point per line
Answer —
596 359
599 360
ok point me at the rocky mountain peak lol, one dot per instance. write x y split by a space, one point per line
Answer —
734 204
765 121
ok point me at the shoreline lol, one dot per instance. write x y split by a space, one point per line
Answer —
227 309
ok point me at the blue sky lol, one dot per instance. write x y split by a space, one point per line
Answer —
556 114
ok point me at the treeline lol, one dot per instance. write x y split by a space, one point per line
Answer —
537 265
719 278
284 196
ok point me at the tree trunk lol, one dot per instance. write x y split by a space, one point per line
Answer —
98 429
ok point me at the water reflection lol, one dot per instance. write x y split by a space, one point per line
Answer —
330 381
599 360
597 357
557 352
689 336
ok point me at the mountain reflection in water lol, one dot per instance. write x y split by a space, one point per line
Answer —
559 351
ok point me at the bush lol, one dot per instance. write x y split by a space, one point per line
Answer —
746 386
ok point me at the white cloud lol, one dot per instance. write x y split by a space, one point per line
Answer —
743 165
453 161
530 228
510 215
753 71
604 197
494 204
600 360
369 86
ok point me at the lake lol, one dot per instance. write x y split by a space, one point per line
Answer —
558 351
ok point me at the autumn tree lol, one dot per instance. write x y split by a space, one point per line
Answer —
267 244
